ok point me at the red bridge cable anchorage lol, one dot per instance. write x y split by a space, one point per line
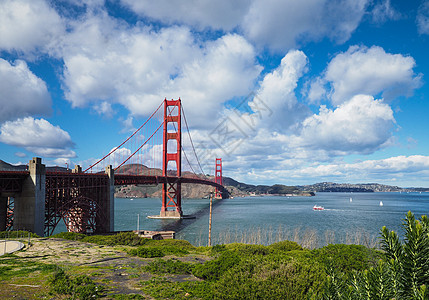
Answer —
114 149
192 143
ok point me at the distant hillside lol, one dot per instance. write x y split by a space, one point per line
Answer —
235 187
357 188
276 189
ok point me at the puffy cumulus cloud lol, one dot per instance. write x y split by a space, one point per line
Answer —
38 136
21 92
137 67
26 25
423 18
362 70
277 92
277 24
361 125
223 14
273 105
284 24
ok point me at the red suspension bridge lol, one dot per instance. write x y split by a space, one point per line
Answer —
37 199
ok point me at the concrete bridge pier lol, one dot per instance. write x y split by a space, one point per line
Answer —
3 212
29 210
111 198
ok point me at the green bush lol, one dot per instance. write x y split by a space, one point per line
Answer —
146 252
171 266
214 269
346 258
261 278
247 249
403 274
285 246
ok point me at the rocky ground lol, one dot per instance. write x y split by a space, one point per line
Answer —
109 266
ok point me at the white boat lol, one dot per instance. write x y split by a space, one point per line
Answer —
351 200
381 203
317 207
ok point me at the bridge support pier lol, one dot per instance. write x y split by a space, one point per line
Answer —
111 198
29 211
3 213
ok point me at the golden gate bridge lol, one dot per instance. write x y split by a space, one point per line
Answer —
37 200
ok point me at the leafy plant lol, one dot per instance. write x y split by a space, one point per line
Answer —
403 274
146 252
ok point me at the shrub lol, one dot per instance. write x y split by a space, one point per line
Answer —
246 249
345 258
285 246
403 275
146 252
214 269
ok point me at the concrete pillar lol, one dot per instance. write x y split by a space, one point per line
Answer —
3 213
111 198
29 210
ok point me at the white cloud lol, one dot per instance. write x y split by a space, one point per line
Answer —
280 25
399 166
371 71
38 136
284 24
21 92
221 14
27 25
384 11
422 19
361 125
138 67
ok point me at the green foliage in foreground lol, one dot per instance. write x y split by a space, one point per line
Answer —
403 273
79 287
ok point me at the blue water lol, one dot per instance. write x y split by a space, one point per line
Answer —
268 219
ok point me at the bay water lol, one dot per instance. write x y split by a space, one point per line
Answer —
347 218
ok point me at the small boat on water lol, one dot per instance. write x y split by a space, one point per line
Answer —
351 200
317 207
381 203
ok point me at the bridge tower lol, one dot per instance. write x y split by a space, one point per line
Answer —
218 176
171 190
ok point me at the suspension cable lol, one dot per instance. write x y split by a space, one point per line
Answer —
114 149
192 143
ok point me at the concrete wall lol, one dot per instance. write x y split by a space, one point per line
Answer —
3 213
29 210
111 198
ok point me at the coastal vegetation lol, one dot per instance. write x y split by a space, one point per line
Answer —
124 266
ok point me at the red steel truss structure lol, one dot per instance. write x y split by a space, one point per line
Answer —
80 199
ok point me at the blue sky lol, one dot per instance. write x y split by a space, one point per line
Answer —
311 91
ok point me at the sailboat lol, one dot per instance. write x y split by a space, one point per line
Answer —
351 200
381 203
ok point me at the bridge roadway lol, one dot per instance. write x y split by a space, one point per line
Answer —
42 198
